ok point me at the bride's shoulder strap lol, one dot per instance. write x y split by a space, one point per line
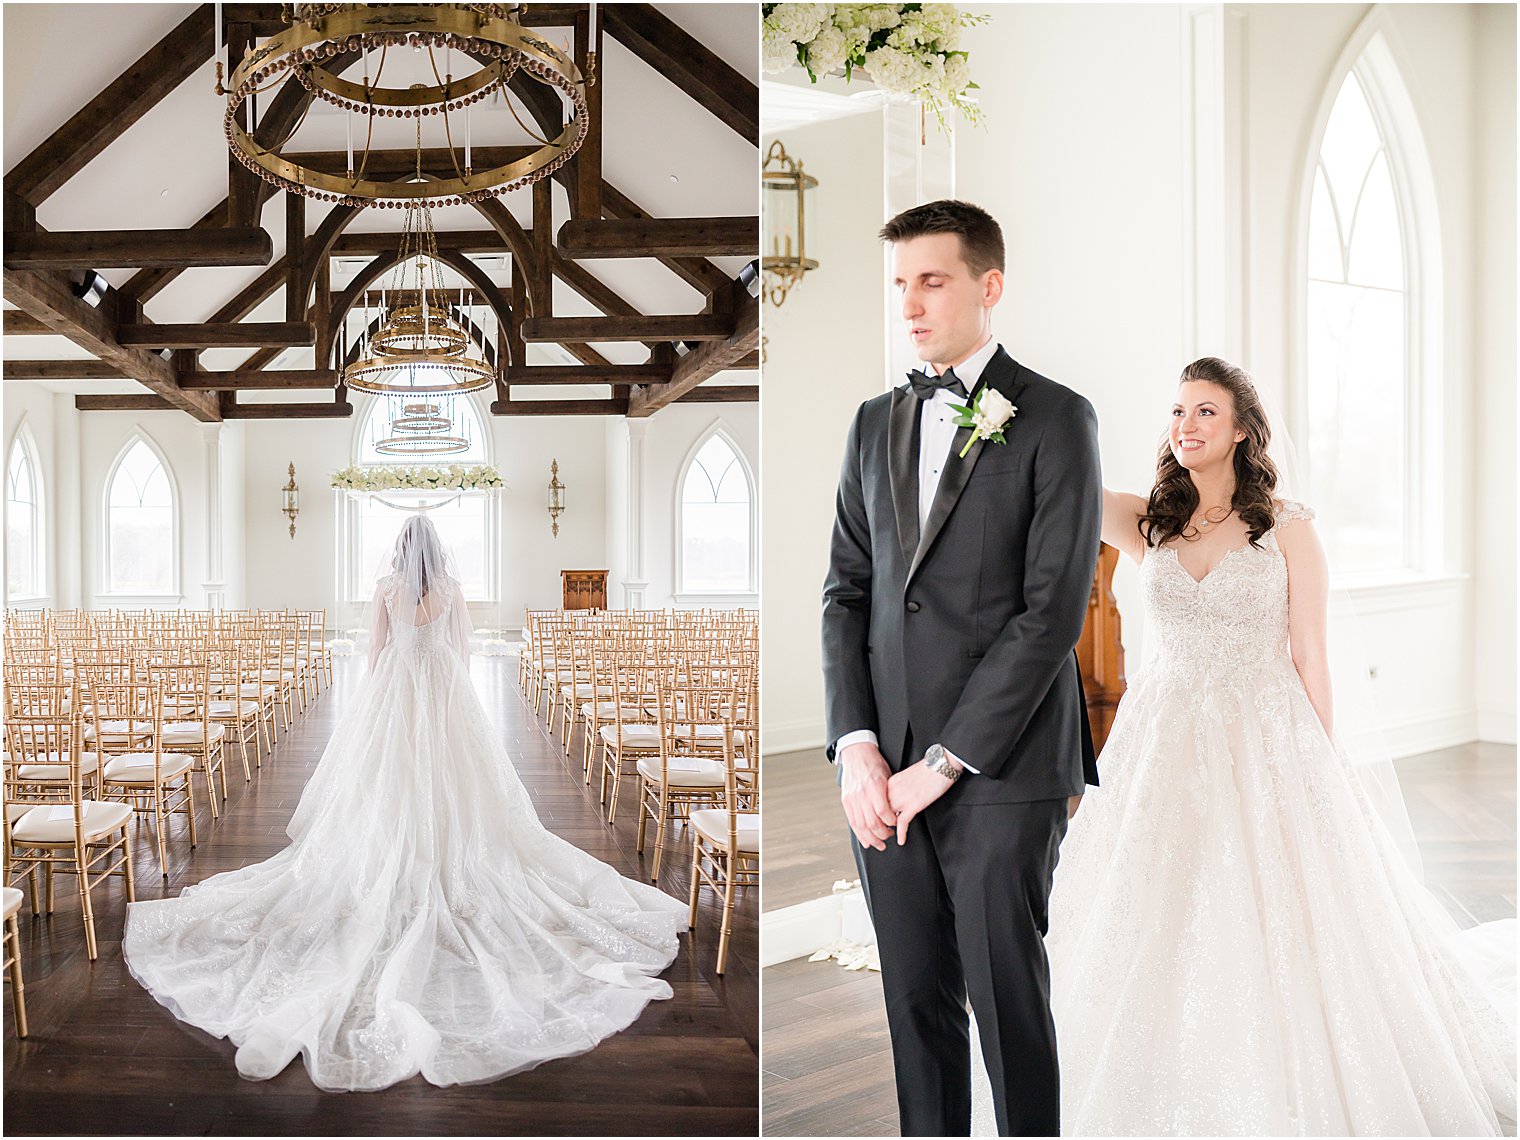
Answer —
1291 510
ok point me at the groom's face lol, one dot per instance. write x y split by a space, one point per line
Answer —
947 308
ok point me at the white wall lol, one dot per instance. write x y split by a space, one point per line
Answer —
1494 306
824 354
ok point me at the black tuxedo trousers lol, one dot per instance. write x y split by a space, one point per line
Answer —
960 910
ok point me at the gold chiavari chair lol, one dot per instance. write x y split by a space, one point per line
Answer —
185 690
631 736
12 905
683 775
606 648
725 849
152 782
585 687
242 717
58 830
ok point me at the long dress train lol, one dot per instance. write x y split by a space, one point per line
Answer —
422 920
1236 945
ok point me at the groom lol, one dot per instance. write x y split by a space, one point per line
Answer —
957 589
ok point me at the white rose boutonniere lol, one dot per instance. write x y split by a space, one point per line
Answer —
988 414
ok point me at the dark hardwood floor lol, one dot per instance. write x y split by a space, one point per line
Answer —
104 1059
827 1063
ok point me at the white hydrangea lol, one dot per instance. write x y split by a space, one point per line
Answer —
777 50
892 70
801 22
828 51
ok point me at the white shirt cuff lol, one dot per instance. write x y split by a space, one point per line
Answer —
859 736
962 763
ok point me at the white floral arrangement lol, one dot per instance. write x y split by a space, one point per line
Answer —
452 478
906 49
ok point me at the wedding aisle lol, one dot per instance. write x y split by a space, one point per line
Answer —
103 1057
828 1060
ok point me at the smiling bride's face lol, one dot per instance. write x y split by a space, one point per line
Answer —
1203 431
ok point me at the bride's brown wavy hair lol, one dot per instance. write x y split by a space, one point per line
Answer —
1174 499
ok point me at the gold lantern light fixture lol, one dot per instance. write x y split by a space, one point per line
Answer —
484 42
292 500
556 496
788 222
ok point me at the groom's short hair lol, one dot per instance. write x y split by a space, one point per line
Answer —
981 236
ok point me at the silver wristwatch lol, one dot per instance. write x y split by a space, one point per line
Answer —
936 761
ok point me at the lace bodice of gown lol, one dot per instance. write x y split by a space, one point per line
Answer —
1230 626
439 621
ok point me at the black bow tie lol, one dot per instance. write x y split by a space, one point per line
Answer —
925 385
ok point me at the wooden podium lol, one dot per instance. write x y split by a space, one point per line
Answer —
584 589
1100 652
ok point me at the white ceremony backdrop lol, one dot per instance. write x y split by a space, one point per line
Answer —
1152 166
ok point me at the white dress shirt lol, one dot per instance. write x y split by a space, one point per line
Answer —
936 436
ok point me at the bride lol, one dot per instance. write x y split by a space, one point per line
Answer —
422 920
1236 944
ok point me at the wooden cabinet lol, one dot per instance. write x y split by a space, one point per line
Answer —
584 589
1100 653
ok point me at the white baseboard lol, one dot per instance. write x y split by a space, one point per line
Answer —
796 931
1496 726
1447 729
791 735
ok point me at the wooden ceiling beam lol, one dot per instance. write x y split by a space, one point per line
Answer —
272 379
17 323
48 298
615 407
460 241
661 237
136 402
115 249
105 118
688 63
62 370
313 411
272 334
701 274
586 374
146 284
707 360
581 330
722 394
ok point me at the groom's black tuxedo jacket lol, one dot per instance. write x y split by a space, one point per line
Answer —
966 632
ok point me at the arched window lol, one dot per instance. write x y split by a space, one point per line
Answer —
1363 322
465 520
25 573
716 543
141 551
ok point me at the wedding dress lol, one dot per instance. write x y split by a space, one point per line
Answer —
422 920
1236 945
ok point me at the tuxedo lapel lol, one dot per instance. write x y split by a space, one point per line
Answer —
1002 373
902 466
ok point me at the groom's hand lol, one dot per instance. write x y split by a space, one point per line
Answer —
863 791
910 791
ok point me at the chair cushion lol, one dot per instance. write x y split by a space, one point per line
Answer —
55 769
118 730
137 767
712 825
605 709
252 689
226 708
189 732
37 827
684 772
12 901
644 736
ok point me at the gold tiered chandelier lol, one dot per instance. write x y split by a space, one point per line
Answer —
486 38
420 357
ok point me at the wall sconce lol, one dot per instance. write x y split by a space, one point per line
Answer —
292 505
556 495
786 219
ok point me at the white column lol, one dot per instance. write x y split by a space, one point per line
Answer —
214 582
636 584
65 505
